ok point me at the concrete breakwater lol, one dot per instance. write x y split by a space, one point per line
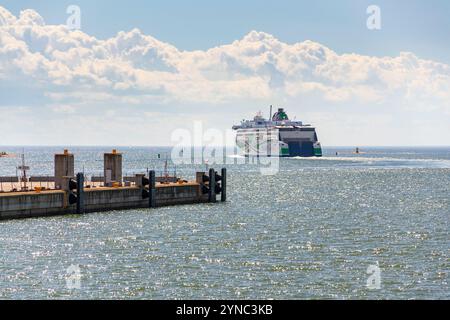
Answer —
72 194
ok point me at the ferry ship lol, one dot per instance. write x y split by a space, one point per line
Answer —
277 136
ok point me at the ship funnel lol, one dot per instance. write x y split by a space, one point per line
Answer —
280 115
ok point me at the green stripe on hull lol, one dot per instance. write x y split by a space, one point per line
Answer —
317 152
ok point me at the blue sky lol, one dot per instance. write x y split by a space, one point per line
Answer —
166 64
422 27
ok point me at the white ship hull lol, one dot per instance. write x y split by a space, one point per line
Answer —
284 142
278 136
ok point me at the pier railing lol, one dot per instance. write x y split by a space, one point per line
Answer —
47 182
64 165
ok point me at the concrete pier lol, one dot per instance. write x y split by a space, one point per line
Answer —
73 195
16 205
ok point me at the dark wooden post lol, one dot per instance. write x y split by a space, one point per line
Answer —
223 195
152 189
80 192
212 185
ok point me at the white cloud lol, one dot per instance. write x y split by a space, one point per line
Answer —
256 66
73 69
64 108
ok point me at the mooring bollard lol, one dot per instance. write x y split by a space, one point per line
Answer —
152 189
212 186
223 194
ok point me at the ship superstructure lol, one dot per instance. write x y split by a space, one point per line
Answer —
277 136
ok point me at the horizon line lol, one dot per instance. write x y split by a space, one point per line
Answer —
217 146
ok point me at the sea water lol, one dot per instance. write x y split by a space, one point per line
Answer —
315 230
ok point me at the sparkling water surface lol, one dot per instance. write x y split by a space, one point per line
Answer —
308 232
